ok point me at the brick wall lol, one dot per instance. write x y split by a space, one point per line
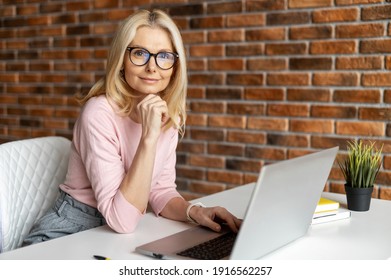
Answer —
269 79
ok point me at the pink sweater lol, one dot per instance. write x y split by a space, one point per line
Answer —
103 147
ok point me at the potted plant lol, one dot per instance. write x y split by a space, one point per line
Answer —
360 170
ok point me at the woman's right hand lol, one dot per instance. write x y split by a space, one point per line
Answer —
153 114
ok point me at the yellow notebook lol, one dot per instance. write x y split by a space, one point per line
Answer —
325 204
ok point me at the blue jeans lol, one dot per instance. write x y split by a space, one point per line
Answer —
67 216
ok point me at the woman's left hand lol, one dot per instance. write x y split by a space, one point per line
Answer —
214 217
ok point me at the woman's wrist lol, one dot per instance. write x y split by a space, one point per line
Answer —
189 211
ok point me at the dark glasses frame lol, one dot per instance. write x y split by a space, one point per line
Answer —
155 55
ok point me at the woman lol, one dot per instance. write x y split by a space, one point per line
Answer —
123 150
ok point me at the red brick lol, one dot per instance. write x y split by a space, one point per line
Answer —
309 3
207 50
336 15
375 114
55 124
207 107
197 120
207 161
267 34
284 49
266 64
360 30
312 126
103 29
265 94
336 79
222 148
333 47
318 95
289 18
288 110
9 78
207 22
101 4
196 65
360 128
273 124
357 96
383 178
317 32
256 5
381 12
243 165
359 63
291 140
387 96
54 100
376 79
266 153
38 20
245 50
351 2
376 46
226 64
224 7
203 79
206 187
245 79
8 99
10 11
224 93
190 37
324 142
190 173
227 121
387 162
388 62
230 35
195 92
191 147
241 20
244 136
335 112
20 133
232 177
206 134
314 63
288 79
245 108
35 77
385 193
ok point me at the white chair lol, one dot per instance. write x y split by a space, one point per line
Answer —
30 173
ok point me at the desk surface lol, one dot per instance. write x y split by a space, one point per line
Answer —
366 235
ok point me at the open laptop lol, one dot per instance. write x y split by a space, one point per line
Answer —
280 211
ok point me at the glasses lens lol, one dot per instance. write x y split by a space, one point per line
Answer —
165 60
139 57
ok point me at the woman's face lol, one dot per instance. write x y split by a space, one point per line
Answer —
149 78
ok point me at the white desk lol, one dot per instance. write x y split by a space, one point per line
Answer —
365 236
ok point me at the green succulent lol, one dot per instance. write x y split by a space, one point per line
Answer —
362 165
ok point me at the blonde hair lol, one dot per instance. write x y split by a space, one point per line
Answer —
113 84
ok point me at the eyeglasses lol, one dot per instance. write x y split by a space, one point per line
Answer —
164 60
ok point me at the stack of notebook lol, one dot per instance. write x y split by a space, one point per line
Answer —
329 210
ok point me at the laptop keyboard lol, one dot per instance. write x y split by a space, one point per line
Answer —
214 249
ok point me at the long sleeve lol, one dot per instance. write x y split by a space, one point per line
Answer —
103 148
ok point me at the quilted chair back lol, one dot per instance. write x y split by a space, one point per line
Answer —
30 173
